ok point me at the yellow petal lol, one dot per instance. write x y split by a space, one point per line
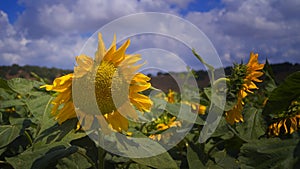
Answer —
112 49
119 55
140 78
60 84
101 49
201 109
139 88
117 121
84 65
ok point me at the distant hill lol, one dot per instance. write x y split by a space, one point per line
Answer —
162 81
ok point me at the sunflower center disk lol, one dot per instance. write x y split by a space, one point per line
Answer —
108 80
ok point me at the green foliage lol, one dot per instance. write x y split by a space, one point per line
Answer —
25 140
31 138
254 126
270 153
283 95
163 160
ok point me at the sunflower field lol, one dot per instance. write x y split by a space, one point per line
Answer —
44 126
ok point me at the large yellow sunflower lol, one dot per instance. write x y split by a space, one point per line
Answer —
108 72
251 72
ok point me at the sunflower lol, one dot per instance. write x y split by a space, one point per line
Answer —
171 96
243 79
198 108
108 73
168 123
162 124
288 123
235 114
63 86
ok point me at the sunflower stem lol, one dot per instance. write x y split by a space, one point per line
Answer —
210 67
101 156
101 153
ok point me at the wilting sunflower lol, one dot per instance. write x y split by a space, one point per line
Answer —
108 73
288 122
242 80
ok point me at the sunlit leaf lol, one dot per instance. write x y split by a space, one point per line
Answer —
20 85
40 107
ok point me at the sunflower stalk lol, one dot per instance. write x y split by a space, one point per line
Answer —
101 155
210 67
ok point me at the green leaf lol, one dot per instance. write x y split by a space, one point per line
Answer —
223 160
138 166
269 153
52 156
20 85
223 130
254 125
163 160
268 82
193 158
58 132
218 98
282 96
25 159
40 107
156 155
10 103
3 84
77 160
8 133
41 154
177 110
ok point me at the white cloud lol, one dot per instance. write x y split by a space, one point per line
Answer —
51 32
11 58
251 25
6 29
80 16
16 48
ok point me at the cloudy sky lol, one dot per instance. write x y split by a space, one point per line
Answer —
52 32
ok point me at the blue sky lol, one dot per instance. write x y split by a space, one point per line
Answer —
52 32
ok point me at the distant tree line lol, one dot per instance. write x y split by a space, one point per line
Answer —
8 72
280 70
